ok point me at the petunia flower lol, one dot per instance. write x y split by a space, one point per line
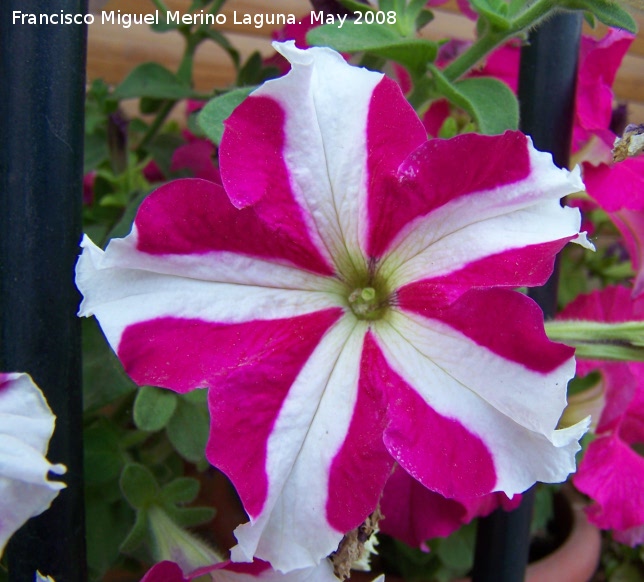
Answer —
26 425
611 471
347 300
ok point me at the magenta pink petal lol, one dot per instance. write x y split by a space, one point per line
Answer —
414 514
612 474
436 455
197 156
499 270
481 315
225 358
193 216
433 175
363 464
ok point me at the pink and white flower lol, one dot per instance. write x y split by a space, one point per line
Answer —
611 471
26 425
347 300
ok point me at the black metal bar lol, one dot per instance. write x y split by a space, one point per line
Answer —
42 84
547 83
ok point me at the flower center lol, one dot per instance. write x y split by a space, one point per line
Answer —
368 303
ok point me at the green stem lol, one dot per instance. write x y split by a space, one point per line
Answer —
597 340
184 73
493 38
160 6
156 125
214 9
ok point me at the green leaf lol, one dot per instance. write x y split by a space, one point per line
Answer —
378 39
137 534
424 18
457 550
162 148
191 516
181 490
212 116
95 151
188 430
152 80
153 408
104 380
107 524
489 101
250 72
355 6
138 485
606 11
543 510
492 11
581 384
148 105
124 225
103 458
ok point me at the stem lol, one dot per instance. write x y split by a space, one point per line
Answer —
214 9
160 6
158 122
184 73
493 38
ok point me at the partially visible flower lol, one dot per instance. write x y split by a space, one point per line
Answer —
197 156
88 187
26 425
235 572
598 65
619 189
611 472
41 578
414 514
177 544
348 301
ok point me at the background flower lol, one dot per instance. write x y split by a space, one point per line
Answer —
26 425
611 471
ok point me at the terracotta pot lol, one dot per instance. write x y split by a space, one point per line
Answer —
576 560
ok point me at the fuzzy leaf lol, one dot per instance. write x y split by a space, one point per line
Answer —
182 490
378 39
152 80
188 430
212 116
153 408
489 101
610 13
138 486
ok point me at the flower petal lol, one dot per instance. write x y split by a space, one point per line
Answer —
611 473
506 200
487 435
415 514
26 425
304 149
291 529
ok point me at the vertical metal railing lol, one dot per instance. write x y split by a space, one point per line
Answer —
547 82
42 83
